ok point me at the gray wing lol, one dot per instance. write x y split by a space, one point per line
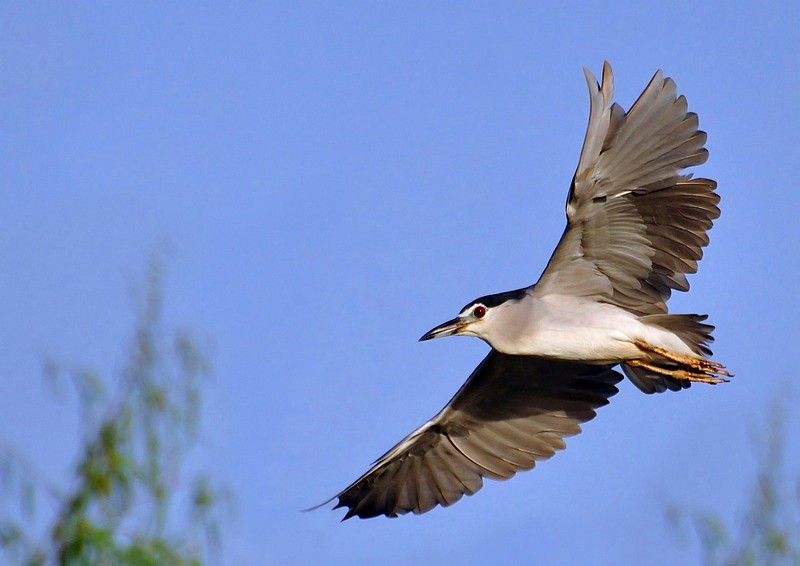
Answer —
512 412
635 224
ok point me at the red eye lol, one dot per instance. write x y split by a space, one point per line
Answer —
479 312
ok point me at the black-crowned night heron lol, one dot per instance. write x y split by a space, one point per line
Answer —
636 225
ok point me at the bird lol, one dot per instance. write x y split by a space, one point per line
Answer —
637 224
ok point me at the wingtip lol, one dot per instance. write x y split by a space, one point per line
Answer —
605 84
608 75
319 506
351 512
591 80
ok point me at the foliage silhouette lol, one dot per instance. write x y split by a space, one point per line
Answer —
769 533
122 506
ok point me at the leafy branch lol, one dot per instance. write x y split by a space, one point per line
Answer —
122 507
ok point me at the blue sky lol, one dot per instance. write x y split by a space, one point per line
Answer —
334 179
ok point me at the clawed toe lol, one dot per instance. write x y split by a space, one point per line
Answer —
689 368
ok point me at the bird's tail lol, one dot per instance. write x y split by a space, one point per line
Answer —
690 328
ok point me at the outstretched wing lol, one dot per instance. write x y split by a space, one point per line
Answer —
636 225
512 412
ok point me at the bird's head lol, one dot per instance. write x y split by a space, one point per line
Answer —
476 318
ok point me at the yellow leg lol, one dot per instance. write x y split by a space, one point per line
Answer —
681 374
699 364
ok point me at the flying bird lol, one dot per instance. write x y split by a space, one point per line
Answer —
636 226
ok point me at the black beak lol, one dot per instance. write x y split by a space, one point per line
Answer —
447 329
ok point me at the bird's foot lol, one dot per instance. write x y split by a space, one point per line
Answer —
682 374
690 368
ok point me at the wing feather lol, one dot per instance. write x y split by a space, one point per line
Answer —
512 412
636 224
